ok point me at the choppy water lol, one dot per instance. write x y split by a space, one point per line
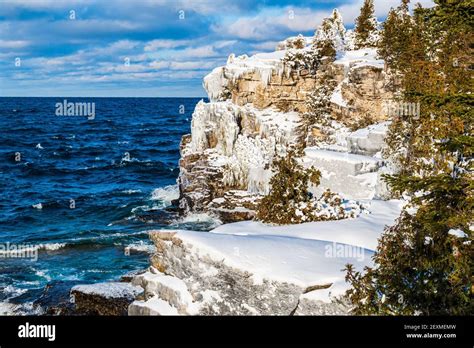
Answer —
79 191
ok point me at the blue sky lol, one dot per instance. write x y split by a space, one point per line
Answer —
170 44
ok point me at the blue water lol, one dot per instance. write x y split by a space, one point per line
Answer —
94 181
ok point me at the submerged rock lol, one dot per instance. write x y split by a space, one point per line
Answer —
55 298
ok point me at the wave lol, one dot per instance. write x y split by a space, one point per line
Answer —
165 194
141 246
198 221
38 206
25 248
86 240
130 192
32 169
27 308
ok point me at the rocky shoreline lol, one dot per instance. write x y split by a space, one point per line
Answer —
257 111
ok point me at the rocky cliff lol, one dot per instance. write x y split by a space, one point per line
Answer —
189 279
255 111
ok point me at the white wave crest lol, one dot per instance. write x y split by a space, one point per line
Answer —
165 194
38 206
199 218
141 246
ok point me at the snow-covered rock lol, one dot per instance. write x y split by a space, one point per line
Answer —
353 176
152 306
255 269
109 298
169 289
368 141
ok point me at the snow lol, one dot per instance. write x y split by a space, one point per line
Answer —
153 306
299 261
458 233
109 289
337 97
359 164
306 254
369 140
352 176
360 58
362 231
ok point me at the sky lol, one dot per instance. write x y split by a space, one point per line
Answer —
145 48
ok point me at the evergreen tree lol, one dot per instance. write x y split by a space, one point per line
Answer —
366 32
395 36
329 37
423 264
289 188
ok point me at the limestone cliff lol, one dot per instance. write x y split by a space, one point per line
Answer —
255 111
186 279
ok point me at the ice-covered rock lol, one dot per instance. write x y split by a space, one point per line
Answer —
351 175
231 148
167 288
368 141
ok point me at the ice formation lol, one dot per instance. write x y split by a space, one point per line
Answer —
242 153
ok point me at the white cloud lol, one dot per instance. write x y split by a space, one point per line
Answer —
14 43
165 43
198 52
271 24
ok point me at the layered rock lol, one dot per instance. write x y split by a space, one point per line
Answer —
255 113
189 277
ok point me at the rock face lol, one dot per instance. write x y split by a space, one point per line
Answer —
184 281
255 113
283 92
224 165
110 298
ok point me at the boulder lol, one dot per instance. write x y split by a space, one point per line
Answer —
109 298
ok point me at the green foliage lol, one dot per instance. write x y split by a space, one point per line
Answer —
396 36
366 26
318 112
289 187
329 37
421 266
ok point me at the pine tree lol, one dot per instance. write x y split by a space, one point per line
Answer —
289 188
366 32
395 35
329 37
424 263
